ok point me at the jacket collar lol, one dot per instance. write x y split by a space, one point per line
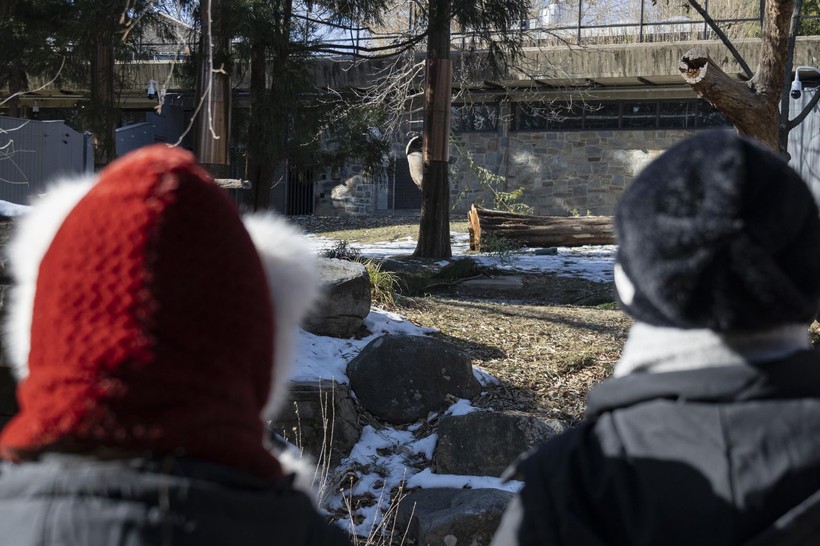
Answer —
797 376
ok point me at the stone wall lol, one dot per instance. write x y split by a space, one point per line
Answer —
347 192
562 173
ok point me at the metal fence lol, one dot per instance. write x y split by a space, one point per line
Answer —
403 193
607 22
34 153
575 22
299 192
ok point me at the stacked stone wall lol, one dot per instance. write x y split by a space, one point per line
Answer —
562 173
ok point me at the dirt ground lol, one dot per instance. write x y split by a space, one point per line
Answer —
548 342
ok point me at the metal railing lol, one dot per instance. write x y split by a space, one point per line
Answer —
579 22
586 22
639 21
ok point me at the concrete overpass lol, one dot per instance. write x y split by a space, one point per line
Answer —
601 72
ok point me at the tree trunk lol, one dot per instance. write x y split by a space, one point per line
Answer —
752 106
17 84
538 231
212 133
434 225
270 111
260 164
103 111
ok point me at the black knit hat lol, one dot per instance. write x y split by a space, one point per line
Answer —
718 233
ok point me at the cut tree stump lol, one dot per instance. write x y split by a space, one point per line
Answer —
538 231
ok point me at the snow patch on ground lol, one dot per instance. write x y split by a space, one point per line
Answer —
387 460
593 263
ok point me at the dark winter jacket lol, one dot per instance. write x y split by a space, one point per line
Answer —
69 500
708 456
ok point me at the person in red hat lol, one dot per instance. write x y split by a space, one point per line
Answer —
151 331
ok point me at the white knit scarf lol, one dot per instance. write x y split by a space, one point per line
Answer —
658 349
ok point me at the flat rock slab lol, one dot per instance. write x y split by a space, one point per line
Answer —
485 443
319 417
506 282
452 516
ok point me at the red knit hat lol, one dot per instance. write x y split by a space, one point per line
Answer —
152 328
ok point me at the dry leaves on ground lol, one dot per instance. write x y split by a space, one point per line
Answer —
547 357
547 343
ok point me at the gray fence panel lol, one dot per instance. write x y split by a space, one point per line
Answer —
404 194
34 153
131 137
169 125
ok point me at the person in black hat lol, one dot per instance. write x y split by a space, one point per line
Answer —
709 433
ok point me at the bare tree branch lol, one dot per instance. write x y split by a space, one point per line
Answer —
723 38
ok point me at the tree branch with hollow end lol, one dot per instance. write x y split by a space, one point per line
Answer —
749 111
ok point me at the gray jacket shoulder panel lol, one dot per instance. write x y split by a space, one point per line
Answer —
76 501
715 458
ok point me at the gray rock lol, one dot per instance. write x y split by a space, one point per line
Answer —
505 282
319 417
451 517
486 443
345 301
402 379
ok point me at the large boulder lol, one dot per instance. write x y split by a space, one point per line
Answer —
320 418
485 443
345 302
401 379
451 517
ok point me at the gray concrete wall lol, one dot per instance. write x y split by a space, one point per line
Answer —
646 60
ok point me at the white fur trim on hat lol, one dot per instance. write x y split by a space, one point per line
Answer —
293 282
624 286
34 233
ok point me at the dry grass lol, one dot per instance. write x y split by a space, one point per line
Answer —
547 356
548 343
371 229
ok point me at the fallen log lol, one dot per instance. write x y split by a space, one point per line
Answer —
537 231
233 183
